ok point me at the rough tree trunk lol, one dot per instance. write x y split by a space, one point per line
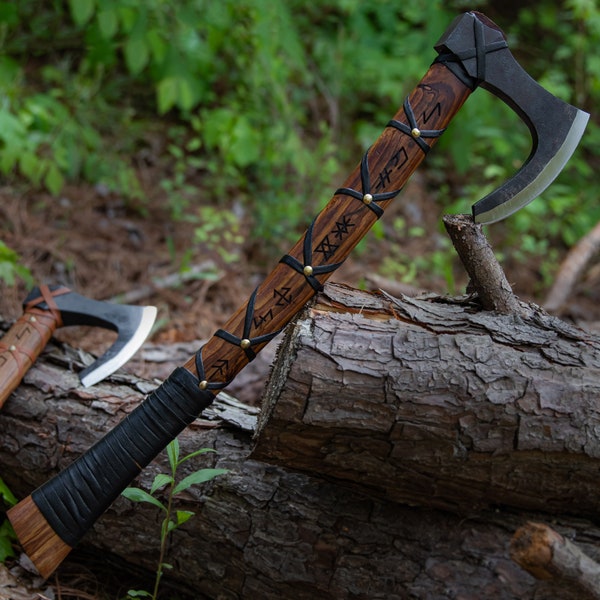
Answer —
267 531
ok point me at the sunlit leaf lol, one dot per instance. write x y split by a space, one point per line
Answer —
183 516
201 476
81 10
160 481
5 493
138 495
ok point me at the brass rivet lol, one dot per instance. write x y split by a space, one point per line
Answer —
203 384
12 348
368 198
32 319
245 343
308 270
416 132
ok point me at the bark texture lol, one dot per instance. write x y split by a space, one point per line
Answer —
266 531
436 403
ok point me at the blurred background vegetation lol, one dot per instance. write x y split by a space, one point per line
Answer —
261 106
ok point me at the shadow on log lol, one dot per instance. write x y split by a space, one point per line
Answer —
268 531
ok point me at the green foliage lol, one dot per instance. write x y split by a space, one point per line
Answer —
172 518
265 104
7 535
11 268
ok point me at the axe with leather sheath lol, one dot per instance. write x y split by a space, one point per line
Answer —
472 53
47 308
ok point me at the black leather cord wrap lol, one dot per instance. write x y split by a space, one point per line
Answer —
73 500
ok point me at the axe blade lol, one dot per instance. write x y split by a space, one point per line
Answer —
131 336
555 126
132 324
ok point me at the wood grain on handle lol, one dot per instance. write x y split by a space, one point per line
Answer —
21 345
342 223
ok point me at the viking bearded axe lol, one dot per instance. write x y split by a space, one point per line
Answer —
47 308
473 52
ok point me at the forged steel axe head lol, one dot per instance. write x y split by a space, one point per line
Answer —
132 324
556 127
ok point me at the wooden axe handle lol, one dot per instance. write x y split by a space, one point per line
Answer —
343 222
21 346
56 515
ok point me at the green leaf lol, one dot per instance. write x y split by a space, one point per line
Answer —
29 165
136 54
128 17
6 549
166 93
7 536
245 146
54 179
157 45
183 516
81 11
186 93
108 22
201 476
196 453
160 481
171 525
10 268
173 453
138 594
138 495
5 492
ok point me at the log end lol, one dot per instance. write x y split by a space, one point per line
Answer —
45 549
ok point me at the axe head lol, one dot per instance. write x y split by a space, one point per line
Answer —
132 324
476 50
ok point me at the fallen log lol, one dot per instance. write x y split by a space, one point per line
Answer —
433 402
264 531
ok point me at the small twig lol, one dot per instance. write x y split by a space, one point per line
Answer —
546 554
487 277
571 269
205 270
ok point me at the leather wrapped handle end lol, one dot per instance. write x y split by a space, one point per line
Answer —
71 502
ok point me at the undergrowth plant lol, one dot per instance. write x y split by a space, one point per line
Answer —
167 484
265 104
7 535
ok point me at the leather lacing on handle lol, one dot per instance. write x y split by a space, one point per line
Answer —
413 130
366 196
307 269
245 343
44 321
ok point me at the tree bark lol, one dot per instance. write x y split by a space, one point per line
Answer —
436 403
266 531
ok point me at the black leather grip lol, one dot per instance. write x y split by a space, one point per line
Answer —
73 500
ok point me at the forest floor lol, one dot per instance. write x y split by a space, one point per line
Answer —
102 246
